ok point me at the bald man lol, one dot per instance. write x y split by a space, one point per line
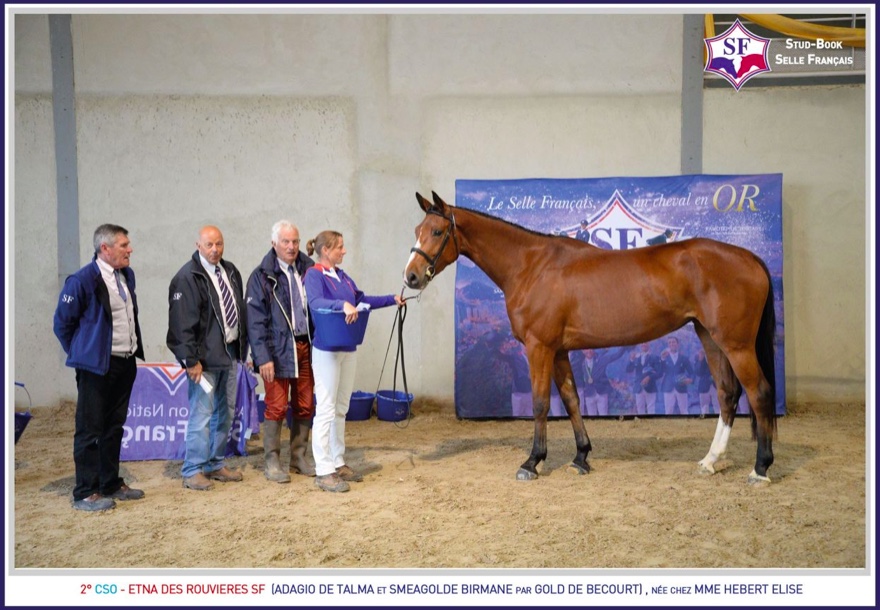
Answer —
207 334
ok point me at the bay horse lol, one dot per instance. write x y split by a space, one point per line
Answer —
563 294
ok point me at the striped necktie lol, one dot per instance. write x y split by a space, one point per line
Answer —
228 303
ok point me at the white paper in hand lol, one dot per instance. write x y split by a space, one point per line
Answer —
205 384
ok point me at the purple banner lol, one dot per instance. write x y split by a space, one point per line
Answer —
491 371
155 428
158 411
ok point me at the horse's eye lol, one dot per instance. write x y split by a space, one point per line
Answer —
437 233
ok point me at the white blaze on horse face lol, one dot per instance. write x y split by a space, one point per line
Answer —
413 254
718 448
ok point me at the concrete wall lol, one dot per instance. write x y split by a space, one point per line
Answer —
334 121
817 139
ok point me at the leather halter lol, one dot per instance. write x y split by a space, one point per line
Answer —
450 230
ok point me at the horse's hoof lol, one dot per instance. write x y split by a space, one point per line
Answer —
577 468
705 468
526 475
757 480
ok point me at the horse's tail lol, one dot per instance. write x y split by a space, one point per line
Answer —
765 350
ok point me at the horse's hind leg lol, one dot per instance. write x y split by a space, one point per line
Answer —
540 366
760 393
729 391
564 379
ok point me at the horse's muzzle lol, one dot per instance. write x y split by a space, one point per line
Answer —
413 281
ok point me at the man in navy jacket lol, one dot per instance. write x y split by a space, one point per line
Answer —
280 340
96 321
597 385
646 369
677 376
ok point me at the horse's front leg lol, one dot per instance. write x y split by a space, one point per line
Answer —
540 408
540 365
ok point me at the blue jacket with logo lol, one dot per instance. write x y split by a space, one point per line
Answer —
84 322
195 317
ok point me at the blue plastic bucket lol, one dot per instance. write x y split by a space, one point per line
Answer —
21 422
332 331
360 406
393 406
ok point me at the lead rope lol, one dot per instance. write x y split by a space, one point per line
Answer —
398 324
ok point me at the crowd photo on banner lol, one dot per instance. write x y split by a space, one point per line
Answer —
666 376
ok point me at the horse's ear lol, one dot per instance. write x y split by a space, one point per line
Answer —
423 203
439 203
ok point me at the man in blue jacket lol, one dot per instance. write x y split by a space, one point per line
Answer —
647 370
207 332
280 339
667 236
583 233
597 385
677 376
96 321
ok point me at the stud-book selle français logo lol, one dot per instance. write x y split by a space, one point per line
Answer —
737 55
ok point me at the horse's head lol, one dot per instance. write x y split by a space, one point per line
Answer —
434 249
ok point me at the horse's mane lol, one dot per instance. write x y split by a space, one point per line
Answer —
514 225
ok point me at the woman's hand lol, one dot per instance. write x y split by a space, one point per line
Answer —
351 313
398 300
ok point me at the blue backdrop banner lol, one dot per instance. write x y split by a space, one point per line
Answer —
491 371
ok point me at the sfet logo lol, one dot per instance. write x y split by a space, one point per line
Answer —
738 55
